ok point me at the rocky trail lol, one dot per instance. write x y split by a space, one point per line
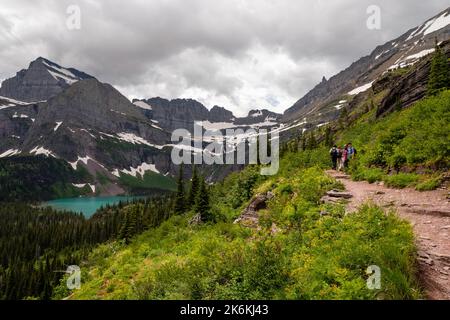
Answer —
429 214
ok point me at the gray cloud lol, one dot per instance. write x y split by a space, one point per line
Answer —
239 54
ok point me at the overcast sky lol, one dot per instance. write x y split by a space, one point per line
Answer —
239 54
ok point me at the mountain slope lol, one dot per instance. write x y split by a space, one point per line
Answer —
88 124
323 103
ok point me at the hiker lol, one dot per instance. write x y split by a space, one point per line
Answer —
344 158
340 164
351 152
334 153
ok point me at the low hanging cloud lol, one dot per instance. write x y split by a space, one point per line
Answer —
234 53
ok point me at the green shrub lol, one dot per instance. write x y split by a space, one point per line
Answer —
419 134
401 180
429 184
371 175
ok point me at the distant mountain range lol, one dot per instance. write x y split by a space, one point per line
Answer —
67 114
70 115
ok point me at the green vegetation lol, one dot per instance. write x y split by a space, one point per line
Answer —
151 181
187 246
180 198
36 178
302 250
440 72
418 137
429 184
36 242
401 180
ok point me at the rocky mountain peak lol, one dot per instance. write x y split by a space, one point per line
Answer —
220 114
42 80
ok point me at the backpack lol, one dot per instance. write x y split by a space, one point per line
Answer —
334 152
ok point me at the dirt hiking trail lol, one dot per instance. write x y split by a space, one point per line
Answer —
429 214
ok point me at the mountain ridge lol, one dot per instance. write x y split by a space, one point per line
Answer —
393 54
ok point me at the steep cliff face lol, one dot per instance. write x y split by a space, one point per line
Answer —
91 125
220 114
411 87
183 113
43 79
177 113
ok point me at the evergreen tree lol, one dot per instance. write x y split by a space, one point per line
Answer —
180 200
440 72
202 202
194 187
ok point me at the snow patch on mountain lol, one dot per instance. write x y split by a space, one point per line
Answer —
141 170
10 103
431 26
79 185
41 150
440 22
87 131
58 124
143 105
83 160
9 153
92 186
256 113
60 73
419 55
134 139
360 89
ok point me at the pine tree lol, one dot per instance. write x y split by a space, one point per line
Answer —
180 200
202 202
194 187
440 72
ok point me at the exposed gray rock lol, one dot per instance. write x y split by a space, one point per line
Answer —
339 194
249 215
220 114
43 79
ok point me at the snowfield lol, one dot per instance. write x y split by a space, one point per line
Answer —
134 139
360 89
143 105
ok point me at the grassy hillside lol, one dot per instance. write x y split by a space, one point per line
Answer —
403 144
301 249
297 253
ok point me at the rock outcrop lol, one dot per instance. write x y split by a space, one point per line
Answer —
249 216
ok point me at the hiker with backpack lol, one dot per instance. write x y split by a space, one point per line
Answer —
334 153
348 153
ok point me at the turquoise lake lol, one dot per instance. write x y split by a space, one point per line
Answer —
87 205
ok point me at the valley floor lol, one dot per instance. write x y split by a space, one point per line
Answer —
429 214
